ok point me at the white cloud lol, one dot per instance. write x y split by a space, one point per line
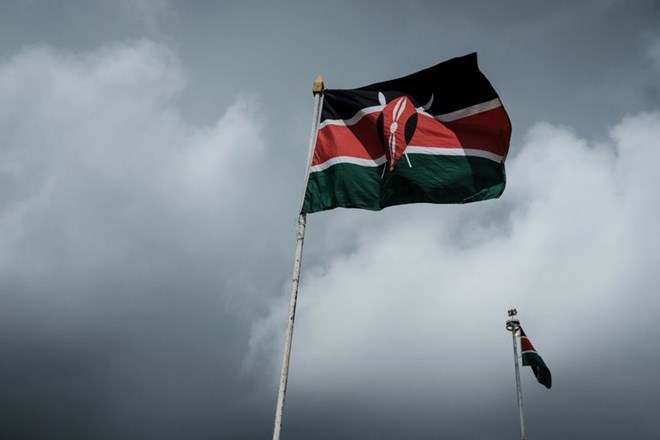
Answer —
99 172
575 251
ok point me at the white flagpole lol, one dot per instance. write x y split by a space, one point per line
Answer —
317 89
513 325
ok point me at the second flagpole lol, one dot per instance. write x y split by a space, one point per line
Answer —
317 89
513 325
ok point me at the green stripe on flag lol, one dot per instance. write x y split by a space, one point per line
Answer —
431 179
541 371
529 359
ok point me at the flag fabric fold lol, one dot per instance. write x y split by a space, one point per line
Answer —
532 359
437 136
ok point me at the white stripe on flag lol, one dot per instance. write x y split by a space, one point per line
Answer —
347 159
468 152
468 111
454 152
447 117
354 120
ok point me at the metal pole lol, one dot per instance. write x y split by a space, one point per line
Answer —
295 279
513 325
284 374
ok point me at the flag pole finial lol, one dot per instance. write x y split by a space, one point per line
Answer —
513 323
318 85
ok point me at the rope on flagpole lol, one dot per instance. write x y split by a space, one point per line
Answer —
317 89
513 325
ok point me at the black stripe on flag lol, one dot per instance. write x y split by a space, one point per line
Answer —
455 84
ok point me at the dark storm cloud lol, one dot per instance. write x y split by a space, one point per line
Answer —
148 195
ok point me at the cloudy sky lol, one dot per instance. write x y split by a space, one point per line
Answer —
152 156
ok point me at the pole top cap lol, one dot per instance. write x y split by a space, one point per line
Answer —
513 323
318 85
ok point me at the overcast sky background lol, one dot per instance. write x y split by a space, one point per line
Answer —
152 157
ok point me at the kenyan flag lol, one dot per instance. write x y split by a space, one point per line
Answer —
438 136
532 359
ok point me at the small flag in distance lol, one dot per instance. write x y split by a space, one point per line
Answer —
532 359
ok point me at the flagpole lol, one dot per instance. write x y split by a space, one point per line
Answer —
317 89
513 325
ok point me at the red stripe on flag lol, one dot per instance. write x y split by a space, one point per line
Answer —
433 133
488 131
359 140
525 345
